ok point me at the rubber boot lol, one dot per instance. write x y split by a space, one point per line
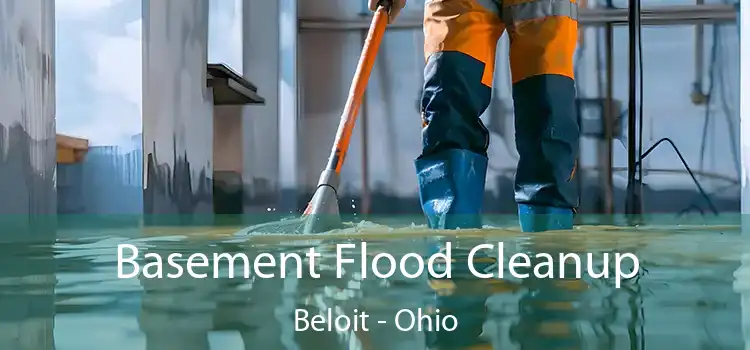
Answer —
451 188
535 218
451 192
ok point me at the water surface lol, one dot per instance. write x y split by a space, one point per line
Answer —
67 295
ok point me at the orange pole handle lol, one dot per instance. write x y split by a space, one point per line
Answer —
357 89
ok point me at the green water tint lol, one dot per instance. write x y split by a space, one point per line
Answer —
83 221
687 295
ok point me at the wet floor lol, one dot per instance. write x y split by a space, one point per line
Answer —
67 296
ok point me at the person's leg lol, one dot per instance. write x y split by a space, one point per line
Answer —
543 39
460 41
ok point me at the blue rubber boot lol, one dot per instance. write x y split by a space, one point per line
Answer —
451 192
535 218
451 188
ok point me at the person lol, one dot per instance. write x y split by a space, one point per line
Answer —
460 44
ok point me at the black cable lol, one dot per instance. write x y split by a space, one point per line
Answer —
687 168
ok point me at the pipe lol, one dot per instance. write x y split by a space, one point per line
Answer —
698 173
662 15
605 148
697 95
743 25
632 209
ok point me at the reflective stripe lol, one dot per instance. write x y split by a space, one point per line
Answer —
489 5
539 9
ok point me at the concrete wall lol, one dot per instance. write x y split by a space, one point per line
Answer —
228 150
27 116
177 108
744 89
228 186
260 63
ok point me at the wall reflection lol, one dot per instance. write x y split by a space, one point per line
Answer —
27 174
27 296
682 298
182 313
177 313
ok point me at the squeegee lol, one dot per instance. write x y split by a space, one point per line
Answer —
322 212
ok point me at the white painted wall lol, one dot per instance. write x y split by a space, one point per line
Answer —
177 105
27 168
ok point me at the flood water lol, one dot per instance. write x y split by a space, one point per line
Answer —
67 295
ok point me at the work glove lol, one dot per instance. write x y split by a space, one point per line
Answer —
394 9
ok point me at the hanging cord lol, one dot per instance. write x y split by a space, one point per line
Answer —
731 126
708 95
716 74
645 154
716 77
687 168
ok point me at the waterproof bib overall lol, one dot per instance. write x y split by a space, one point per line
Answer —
460 43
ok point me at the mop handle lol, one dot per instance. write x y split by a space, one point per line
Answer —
357 89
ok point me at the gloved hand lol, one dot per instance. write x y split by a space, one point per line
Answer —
395 8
